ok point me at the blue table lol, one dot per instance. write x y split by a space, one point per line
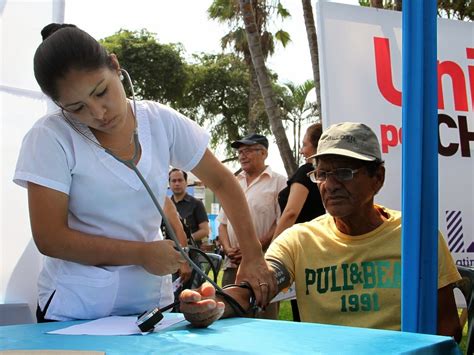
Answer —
233 336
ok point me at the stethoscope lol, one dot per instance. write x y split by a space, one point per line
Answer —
147 320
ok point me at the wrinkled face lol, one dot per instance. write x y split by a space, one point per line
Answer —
252 157
177 182
307 149
95 98
343 199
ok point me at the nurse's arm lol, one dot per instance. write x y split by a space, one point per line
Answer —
48 210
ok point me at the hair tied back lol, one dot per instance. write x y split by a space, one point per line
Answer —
48 30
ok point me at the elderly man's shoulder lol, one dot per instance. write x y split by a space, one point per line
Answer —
303 229
280 178
273 174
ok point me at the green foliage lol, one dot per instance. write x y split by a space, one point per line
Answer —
283 37
456 9
285 312
236 39
282 11
451 9
297 110
217 94
228 11
157 70
223 10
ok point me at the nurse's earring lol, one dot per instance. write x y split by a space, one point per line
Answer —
120 76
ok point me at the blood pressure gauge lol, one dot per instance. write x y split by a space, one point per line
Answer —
147 320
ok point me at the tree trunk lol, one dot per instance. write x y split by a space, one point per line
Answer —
254 98
398 5
271 108
313 49
376 3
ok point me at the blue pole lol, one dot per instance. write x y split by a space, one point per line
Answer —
419 167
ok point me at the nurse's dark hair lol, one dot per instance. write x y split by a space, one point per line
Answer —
314 132
66 47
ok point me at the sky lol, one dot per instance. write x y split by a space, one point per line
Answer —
187 22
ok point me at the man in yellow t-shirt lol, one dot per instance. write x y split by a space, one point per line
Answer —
346 263
347 279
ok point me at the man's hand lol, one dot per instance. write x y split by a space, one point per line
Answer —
235 255
257 273
200 307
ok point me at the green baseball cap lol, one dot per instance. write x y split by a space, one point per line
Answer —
349 139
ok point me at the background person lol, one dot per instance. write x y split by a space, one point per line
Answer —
346 264
261 186
300 200
191 209
90 215
173 218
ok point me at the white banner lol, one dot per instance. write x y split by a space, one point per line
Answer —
21 104
360 65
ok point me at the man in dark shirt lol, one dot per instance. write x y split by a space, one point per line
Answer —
191 209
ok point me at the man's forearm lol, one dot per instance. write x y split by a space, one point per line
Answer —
224 237
202 232
267 239
242 295
173 217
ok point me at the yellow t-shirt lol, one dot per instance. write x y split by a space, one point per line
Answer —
350 280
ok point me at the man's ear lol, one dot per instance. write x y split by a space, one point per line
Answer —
380 178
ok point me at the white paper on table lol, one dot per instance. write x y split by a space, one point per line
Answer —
115 325
288 294
177 284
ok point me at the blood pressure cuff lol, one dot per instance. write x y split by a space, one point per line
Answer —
236 307
281 273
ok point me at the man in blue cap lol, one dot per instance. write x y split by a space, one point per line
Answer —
261 187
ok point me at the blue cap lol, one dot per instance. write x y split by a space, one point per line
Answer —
251 139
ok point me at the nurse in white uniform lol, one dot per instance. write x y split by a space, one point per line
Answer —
91 216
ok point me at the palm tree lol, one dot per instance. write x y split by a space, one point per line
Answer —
271 107
376 3
299 110
456 9
313 49
228 11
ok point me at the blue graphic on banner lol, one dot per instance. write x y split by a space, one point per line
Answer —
455 233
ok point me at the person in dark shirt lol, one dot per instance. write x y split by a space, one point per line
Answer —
191 209
300 200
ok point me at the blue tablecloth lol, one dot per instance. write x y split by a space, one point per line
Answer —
233 336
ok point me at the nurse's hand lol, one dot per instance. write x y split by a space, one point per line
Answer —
257 273
185 272
161 258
